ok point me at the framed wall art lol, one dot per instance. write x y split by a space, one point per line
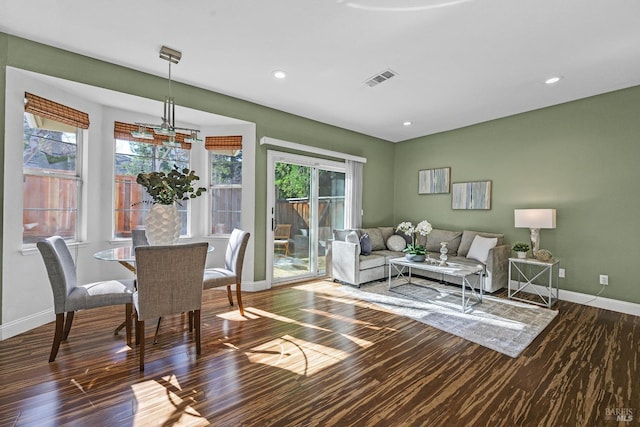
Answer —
434 181
471 195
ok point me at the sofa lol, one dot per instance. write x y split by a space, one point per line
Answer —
351 266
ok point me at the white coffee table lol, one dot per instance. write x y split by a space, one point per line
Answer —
403 270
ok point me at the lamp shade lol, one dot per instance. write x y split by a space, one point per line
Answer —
535 218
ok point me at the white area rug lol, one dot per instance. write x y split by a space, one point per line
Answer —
499 324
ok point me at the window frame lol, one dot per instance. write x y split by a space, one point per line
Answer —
77 176
154 161
211 186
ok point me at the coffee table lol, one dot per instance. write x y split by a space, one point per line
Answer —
403 270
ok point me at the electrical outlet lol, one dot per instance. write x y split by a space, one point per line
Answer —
561 273
604 279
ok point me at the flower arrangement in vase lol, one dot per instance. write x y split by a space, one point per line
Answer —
163 222
415 252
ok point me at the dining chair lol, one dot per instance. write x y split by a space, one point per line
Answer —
139 237
281 236
231 273
69 296
169 280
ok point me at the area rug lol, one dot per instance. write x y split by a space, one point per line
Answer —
500 324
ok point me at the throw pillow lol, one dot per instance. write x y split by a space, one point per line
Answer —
404 236
352 237
365 245
375 235
480 248
468 236
396 243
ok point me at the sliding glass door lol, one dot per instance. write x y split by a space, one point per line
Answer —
306 203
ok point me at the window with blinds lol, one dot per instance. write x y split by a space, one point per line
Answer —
225 185
135 155
52 166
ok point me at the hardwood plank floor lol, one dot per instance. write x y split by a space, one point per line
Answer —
308 355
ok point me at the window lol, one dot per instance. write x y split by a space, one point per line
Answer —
225 159
52 165
135 155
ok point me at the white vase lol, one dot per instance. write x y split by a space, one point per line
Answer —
522 255
163 224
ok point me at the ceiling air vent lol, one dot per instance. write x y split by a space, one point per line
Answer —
381 77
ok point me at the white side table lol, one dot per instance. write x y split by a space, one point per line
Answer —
536 277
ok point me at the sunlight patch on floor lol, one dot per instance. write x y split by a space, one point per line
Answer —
236 316
301 357
283 319
169 404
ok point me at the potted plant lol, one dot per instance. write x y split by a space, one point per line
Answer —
415 252
521 248
163 222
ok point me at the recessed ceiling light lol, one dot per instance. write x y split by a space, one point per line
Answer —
279 74
407 123
553 80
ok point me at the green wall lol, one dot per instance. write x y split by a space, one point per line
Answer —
580 158
36 57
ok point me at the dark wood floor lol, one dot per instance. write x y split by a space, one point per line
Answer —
306 355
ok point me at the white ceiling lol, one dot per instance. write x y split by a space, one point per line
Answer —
458 62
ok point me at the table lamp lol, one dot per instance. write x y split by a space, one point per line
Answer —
535 219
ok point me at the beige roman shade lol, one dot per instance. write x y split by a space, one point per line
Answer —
48 109
225 143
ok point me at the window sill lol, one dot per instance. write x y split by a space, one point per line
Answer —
32 249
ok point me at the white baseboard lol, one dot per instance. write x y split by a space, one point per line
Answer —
16 327
591 300
255 286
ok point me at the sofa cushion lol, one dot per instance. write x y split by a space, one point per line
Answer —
371 261
451 237
396 243
480 248
389 254
386 232
467 239
375 235
365 244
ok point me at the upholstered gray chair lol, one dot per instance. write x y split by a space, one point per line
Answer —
139 238
169 282
231 274
69 296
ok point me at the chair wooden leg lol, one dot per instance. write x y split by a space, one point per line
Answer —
140 327
190 321
229 295
155 336
196 320
239 296
138 330
57 336
128 309
67 325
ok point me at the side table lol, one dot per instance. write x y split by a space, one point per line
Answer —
537 277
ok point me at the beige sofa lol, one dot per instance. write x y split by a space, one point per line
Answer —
351 267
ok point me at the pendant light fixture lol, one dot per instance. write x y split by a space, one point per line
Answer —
168 126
